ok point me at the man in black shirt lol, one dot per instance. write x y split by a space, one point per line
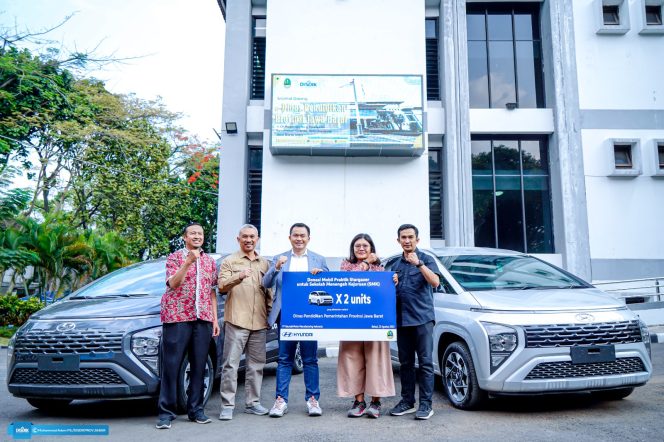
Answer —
415 278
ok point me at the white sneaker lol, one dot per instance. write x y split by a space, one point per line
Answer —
314 407
279 408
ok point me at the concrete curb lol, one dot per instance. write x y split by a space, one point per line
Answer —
331 351
657 338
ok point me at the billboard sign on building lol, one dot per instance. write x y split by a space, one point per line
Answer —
347 115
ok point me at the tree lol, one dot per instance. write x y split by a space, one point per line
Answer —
104 162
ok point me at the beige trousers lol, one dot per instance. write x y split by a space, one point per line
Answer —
236 341
365 367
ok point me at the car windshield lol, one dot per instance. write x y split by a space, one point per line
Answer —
514 272
145 279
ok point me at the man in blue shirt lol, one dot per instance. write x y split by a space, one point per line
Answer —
415 278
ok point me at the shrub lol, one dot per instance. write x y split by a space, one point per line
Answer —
15 311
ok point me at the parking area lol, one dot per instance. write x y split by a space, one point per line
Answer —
570 417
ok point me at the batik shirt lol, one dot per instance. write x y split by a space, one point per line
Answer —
192 299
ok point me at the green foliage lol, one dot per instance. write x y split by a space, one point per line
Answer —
7 331
15 311
115 178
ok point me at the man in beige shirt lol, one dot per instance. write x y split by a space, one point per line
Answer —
245 322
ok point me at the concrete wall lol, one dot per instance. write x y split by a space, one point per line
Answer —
340 197
621 96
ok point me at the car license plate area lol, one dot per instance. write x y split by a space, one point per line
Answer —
593 353
58 363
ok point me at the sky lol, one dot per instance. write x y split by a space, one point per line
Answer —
180 44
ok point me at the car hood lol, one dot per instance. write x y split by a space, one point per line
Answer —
101 308
546 300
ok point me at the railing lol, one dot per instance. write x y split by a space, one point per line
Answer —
635 291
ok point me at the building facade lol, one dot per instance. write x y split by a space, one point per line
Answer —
541 127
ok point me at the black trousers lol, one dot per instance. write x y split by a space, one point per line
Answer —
176 339
418 340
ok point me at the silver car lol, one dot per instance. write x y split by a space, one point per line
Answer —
509 323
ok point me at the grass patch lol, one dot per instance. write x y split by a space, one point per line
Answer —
4 342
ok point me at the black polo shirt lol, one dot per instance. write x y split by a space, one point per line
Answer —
414 293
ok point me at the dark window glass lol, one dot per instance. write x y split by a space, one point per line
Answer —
512 47
623 156
511 196
476 26
539 238
654 15
499 24
478 74
254 186
611 15
430 28
509 216
527 57
506 157
432 59
258 60
501 66
483 211
660 155
533 158
435 192
481 157
525 27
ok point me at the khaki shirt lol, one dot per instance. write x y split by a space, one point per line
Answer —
248 302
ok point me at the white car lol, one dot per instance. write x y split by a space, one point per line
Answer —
320 297
509 323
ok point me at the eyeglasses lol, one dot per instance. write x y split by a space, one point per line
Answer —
362 246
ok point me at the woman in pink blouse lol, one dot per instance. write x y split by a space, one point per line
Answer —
364 367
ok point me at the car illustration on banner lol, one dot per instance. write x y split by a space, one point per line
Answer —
320 297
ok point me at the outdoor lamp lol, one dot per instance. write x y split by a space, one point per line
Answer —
231 127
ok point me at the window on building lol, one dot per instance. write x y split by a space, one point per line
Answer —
505 55
653 15
622 154
258 60
433 80
611 15
436 192
511 195
254 185
660 155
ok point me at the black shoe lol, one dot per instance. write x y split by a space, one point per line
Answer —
200 418
424 412
402 408
163 424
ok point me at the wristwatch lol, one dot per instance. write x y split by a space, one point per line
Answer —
419 264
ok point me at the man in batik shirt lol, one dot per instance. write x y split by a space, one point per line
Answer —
189 317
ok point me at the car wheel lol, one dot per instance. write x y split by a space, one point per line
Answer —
49 404
183 383
459 378
613 395
298 365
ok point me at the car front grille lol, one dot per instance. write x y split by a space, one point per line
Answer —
73 342
567 335
84 376
562 370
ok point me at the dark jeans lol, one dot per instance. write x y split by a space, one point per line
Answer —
176 339
309 353
418 340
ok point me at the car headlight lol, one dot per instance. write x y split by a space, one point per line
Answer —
145 345
645 337
503 340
